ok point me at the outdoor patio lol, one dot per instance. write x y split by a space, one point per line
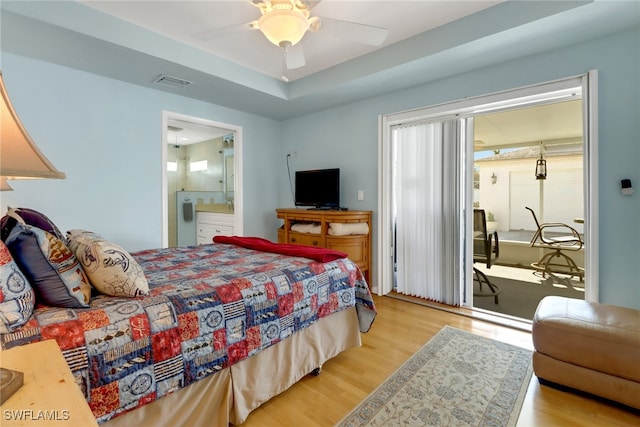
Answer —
522 289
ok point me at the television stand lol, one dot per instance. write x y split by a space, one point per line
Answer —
357 246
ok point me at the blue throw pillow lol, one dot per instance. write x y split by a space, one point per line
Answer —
50 267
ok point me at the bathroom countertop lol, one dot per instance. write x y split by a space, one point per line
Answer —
214 207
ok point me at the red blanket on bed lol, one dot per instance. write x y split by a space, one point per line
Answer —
316 254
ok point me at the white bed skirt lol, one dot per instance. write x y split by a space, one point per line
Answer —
229 396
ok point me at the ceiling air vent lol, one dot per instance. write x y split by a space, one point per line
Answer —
174 82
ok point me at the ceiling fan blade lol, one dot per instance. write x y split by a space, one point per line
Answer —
362 33
224 31
295 57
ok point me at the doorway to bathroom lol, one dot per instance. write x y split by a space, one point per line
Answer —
202 173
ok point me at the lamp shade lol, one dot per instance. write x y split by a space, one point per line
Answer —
4 186
282 26
20 158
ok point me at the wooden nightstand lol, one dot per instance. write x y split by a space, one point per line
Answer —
49 395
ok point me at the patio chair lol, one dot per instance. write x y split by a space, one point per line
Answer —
564 238
485 250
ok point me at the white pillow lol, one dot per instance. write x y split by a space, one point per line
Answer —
111 269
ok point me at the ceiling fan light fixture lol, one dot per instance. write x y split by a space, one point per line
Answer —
283 26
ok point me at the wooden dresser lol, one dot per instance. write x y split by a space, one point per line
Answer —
357 246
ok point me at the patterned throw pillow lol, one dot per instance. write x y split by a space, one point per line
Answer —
50 267
111 269
16 295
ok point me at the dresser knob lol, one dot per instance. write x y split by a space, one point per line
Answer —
293 239
315 243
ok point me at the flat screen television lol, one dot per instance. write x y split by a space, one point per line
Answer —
319 188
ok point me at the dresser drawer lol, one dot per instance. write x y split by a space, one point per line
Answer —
354 246
306 239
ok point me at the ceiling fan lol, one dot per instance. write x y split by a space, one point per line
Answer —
285 22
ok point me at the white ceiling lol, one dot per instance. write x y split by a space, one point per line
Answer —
428 40
180 132
186 20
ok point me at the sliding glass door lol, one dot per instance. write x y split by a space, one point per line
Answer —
417 238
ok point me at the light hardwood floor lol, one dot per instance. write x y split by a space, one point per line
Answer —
399 330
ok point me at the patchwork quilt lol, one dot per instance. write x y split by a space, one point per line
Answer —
209 307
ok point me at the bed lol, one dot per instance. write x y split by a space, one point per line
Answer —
223 329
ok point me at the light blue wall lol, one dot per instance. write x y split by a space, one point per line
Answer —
347 137
106 136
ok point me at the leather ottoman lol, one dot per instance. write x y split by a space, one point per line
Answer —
588 346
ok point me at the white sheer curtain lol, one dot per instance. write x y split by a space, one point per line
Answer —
427 209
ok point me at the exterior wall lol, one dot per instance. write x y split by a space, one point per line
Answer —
516 187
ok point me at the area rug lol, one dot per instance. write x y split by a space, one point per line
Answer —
456 379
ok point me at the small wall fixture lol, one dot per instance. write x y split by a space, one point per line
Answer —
541 165
541 168
494 178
